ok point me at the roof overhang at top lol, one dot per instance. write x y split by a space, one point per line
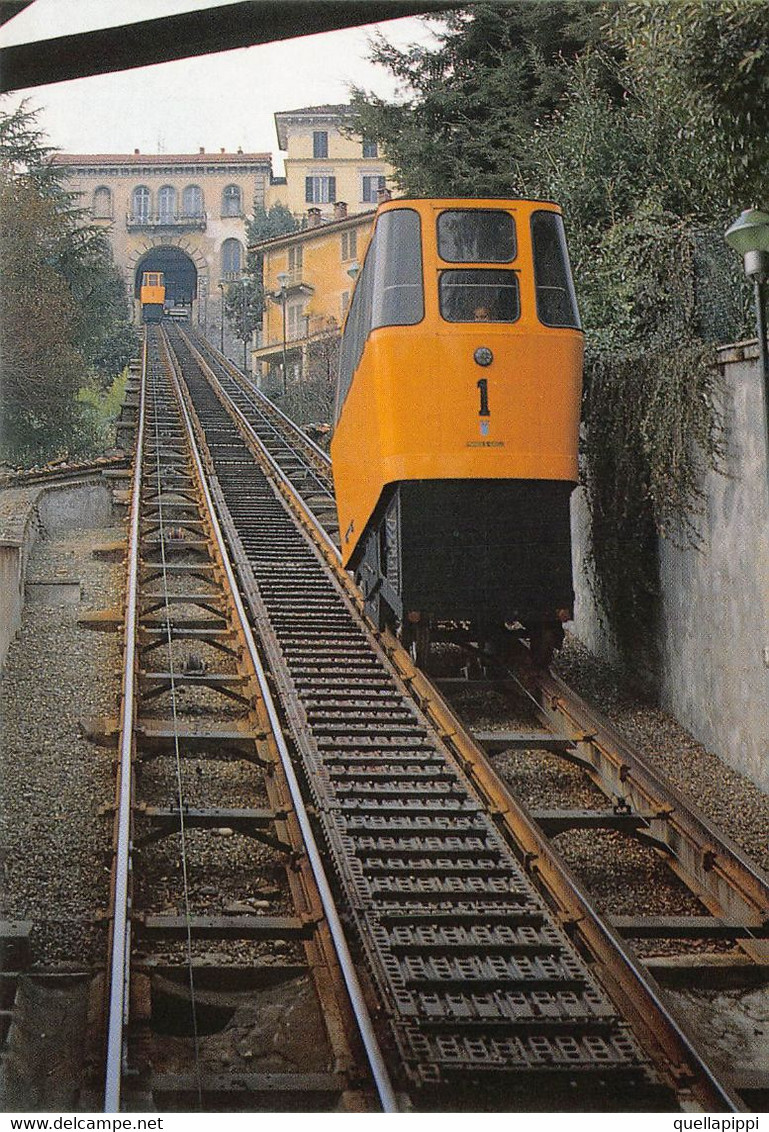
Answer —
305 235
202 32
307 116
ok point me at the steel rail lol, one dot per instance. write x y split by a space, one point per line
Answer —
259 398
360 1009
711 865
630 984
120 944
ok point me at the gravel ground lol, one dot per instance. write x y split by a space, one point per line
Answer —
54 838
730 800
623 876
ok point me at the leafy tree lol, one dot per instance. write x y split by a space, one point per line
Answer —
710 62
42 369
476 97
264 225
244 299
64 316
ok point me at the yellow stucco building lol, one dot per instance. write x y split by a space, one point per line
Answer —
308 277
324 164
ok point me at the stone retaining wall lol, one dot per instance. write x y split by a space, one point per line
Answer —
714 631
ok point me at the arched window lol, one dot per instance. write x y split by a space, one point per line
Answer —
192 201
167 204
231 205
102 204
232 257
141 203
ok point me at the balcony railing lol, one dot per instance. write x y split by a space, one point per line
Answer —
166 220
294 334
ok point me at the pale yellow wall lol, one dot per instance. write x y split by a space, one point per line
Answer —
323 269
203 246
345 161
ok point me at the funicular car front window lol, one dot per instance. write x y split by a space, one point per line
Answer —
478 295
476 236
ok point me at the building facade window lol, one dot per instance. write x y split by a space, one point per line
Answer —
370 186
140 203
231 201
320 189
296 321
232 258
295 263
320 143
102 204
370 148
350 245
167 204
192 201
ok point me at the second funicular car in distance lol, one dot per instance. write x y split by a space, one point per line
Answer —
153 296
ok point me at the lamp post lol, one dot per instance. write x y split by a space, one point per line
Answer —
749 235
283 281
221 329
244 313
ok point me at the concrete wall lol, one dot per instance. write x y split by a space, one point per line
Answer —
23 515
714 628
16 540
75 506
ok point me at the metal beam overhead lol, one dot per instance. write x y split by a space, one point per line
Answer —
209 30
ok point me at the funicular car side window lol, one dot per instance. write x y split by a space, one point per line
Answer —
398 298
556 298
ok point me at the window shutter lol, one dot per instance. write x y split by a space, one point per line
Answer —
332 190
308 189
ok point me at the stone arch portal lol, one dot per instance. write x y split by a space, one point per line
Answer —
181 274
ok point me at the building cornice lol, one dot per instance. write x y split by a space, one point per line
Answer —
169 163
329 227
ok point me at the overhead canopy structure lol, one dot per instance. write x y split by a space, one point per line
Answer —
11 8
202 32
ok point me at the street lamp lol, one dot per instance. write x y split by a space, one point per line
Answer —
749 235
244 313
221 336
283 281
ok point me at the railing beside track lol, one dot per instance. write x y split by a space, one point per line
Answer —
706 860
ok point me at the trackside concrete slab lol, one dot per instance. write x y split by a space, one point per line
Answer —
27 512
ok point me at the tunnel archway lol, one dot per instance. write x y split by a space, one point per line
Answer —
181 274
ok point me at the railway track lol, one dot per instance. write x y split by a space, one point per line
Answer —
222 917
484 963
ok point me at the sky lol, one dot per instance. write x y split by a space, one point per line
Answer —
215 101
